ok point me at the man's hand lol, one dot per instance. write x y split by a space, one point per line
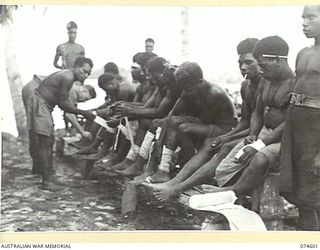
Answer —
248 154
123 110
88 114
250 139
87 135
220 141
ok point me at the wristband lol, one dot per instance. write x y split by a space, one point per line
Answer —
94 113
257 145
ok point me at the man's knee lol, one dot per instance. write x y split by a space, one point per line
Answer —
186 128
144 123
226 149
155 124
175 122
260 160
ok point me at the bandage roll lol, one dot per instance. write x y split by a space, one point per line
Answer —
212 199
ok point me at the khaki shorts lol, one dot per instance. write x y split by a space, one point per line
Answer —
39 117
229 168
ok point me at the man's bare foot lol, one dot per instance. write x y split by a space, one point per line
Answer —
166 193
141 178
132 170
119 166
87 151
160 177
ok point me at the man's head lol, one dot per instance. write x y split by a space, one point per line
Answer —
82 68
271 53
311 21
112 68
109 83
72 31
247 63
85 93
189 77
156 67
149 45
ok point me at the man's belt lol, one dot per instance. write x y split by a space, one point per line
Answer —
305 101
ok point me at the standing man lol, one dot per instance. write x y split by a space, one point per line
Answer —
54 90
70 50
149 45
300 159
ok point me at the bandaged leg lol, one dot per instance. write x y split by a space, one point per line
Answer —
146 145
162 175
133 152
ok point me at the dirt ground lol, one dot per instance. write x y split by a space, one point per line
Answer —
82 205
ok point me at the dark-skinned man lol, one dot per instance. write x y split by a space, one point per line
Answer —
205 109
300 155
53 91
157 106
200 169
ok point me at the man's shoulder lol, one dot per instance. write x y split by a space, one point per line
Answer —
127 86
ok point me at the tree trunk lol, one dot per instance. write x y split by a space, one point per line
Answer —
15 84
185 32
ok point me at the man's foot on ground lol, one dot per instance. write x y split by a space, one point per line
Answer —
96 156
87 151
51 186
141 178
119 166
160 177
132 170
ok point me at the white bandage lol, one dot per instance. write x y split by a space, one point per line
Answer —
146 144
158 132
257 145
166 159
133 152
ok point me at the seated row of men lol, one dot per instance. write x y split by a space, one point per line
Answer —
175 117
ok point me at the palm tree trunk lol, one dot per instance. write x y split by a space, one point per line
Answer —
15 83
185 32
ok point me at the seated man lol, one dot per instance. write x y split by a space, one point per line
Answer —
200 169
205 109
157 106
260 150
116 91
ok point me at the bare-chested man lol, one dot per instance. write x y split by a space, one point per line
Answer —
204 108
261 149
300 159
53 91
200 169
157 106
70 50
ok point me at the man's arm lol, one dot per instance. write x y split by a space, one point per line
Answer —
56 58
63 99
158 112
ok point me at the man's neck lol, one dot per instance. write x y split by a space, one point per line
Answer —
71 42
255 80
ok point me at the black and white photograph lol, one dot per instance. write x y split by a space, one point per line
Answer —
160 118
